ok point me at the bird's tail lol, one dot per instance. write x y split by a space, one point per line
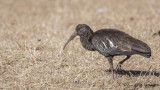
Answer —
142 49
147 55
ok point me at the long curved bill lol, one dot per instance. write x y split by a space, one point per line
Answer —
71 38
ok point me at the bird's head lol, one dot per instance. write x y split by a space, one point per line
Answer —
81 30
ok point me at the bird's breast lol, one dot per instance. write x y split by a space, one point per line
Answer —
87 44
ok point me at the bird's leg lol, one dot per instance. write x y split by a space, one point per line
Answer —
110 60
121 62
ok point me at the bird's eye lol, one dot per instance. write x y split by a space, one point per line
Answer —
81 31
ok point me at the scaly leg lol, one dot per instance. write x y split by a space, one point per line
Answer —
121 62
110 60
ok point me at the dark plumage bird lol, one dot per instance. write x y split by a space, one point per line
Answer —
110 43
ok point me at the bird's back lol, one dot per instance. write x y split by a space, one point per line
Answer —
115 42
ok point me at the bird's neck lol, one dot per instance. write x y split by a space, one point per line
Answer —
86 41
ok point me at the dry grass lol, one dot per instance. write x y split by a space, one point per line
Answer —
33 32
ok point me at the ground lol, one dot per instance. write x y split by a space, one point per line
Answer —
33 33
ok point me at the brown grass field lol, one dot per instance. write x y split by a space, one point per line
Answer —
33 33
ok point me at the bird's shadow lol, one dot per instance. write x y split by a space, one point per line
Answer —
136 72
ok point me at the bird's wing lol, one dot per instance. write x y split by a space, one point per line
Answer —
109 46
115 42
111 42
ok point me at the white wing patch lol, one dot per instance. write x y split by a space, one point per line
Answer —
111 44
104 44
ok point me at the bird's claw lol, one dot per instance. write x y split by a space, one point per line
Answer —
118 68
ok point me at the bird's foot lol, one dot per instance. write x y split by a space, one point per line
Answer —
118 68
109 70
